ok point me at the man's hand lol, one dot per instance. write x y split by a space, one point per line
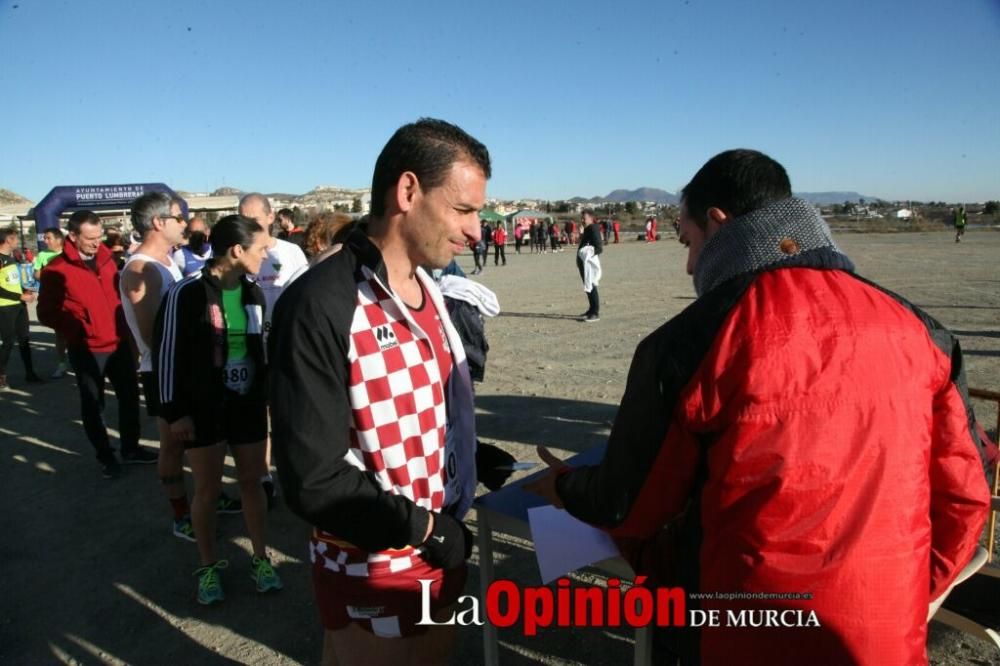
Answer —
545 486
183 429
28 297
493 465
449 543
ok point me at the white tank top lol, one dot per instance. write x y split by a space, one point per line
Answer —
168 276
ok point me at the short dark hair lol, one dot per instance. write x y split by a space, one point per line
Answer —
286 213
7 233
80 218
736 181
428 148
233 230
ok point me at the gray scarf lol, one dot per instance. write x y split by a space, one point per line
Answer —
785 233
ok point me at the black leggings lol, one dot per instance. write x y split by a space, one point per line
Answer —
14 331
593 300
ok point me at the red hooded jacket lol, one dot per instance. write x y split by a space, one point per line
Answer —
804 434
83 306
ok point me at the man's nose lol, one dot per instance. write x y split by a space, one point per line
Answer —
473 230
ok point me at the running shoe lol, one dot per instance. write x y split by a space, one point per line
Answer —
210 583
590 319
59 372
140 456
264 575
227 504
183 529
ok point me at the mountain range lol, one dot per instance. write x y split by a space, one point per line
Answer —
664 197
322 193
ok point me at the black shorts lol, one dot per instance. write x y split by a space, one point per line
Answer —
238 420
150 391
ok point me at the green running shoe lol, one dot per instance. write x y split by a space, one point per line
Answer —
210 584
264 575
227 504
183 529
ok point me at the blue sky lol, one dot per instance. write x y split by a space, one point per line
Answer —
890 98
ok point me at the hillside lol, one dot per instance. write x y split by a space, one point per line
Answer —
668 198
8 198
827 198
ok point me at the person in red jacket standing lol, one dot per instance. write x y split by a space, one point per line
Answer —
79 299
499 243
796 444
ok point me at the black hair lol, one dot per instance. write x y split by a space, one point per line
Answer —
286 213
428 148
233 230
7 233
737 182
80 218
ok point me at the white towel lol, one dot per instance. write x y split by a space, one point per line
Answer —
464 289
591 267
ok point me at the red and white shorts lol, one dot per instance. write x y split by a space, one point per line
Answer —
388 604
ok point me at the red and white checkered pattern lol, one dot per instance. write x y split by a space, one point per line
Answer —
354 562
398 418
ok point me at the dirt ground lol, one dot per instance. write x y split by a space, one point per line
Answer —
93 574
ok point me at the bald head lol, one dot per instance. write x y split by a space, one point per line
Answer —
197 224
256 206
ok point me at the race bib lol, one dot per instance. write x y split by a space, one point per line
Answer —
238 375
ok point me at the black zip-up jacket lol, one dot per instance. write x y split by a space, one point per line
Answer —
190 349
592 236
312 412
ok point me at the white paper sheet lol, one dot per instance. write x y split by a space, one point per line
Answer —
564 544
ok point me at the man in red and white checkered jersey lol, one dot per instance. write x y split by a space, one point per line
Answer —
373 421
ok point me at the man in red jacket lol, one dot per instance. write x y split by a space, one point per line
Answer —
499 244
795 447
79 299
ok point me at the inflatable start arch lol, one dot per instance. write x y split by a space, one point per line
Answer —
91 197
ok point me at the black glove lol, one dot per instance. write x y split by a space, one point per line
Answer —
489 460
450 543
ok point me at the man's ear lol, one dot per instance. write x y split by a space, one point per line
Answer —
717 215
407 189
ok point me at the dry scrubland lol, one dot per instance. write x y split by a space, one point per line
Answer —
93 575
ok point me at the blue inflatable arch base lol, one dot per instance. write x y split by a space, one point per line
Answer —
91 197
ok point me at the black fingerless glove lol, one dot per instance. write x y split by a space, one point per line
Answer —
489 459
450 543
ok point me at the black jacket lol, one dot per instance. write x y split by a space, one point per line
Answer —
312 416
190 348
592 236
